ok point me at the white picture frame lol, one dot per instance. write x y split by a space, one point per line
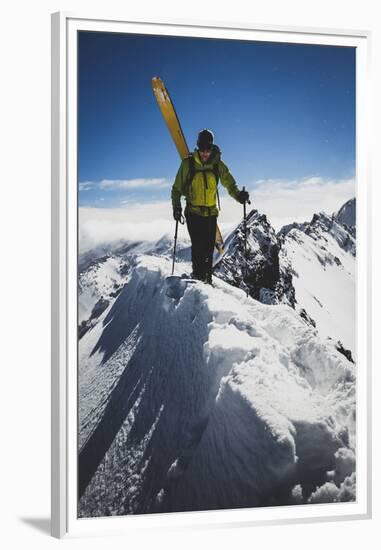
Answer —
64 277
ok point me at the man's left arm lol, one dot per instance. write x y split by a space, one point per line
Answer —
230 184
227 180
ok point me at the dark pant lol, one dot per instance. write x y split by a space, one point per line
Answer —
202 231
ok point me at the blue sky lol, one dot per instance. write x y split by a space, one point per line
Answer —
278 111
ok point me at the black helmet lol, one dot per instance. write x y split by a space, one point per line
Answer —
205 140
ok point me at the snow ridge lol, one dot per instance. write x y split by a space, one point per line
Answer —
196 397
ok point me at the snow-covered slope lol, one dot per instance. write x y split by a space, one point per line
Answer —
102 278
309 266
103 271
193 397
321 255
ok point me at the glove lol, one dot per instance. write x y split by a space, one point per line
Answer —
243 196
177 213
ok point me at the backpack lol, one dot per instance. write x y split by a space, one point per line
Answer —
191 174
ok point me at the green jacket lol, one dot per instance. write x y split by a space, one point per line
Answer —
201 193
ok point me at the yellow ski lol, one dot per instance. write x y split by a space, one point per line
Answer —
171 119
168 111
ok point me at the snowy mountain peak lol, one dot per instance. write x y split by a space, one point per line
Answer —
319 228
255 217
322 220
322 224
347 213
255 268
345 216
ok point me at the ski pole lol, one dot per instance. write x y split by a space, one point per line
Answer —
245 241
175 243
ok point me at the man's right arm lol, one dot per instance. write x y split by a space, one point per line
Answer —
178 186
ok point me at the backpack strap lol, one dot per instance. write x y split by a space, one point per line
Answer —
190 174
216 173
217 176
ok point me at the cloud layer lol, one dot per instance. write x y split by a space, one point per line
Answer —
286 201
137 222
137 183
297 200
283 201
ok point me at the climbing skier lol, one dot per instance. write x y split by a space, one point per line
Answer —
197 180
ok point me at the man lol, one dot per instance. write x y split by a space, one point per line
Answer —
197 180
